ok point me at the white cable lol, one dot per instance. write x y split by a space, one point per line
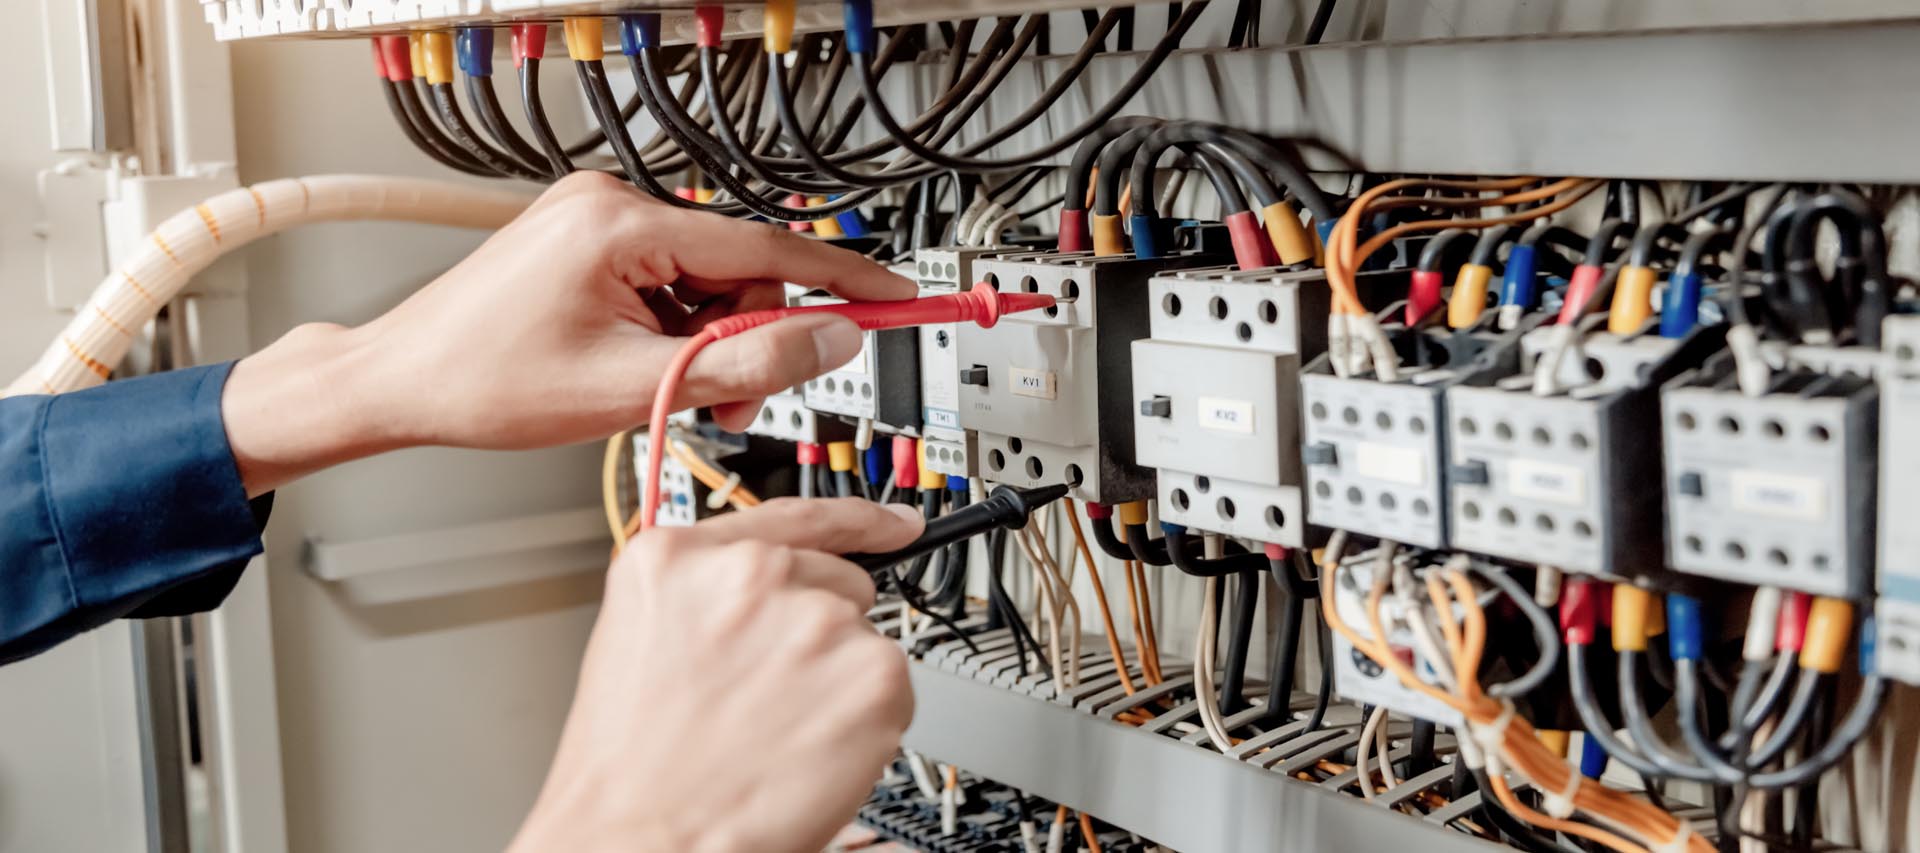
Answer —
981 231
1546 369
1379 349
1750 366
1056 836
1029 837
1364 750
191 240
1546 587
963 226
922 778
1066 601
1203 685
863 435
1339 345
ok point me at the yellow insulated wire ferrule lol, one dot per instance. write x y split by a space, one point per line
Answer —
416 54
778 26
1469 297
585 39
1108 237
839 455
929 479
1632 609
827 227
1829 622
1632 301
1133 513
1554 739
437 50
1291 239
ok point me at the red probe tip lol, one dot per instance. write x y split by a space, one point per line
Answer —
994 304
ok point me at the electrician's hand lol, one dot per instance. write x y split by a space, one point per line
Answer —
554 331
733 696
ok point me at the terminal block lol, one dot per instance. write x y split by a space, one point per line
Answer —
786 417
1560 479
1050 392
1898 610
1375 451
947 269
1776 489
682 498
1360 678
881 383
1217 396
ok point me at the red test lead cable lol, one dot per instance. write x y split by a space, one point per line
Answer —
982 305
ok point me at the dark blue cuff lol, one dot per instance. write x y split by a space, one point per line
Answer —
123 500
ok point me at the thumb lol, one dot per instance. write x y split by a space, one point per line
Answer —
769 359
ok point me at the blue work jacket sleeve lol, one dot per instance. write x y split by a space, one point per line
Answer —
120 501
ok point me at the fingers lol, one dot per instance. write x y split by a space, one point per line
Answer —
835 526
710 248
769 359
834 575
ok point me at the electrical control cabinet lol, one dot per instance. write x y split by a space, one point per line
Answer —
939 270
1360 678
1777 489
1050 392
1559 479
1898 610
1216 395
881 383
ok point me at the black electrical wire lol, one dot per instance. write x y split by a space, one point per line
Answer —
1640 724
1859 720
1860 273
463 135
422 117
1282 660
1144 549
964 161
1270 156
1544 630
1736 299
1087 154
1323 638
1806 693
1246 606
1322 14
442 153
557 160
1594 721
1506 824
1106 189
1178 546
1767 698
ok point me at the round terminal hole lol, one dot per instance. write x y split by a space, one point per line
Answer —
1503 431
1029 284
1322 489
1035 470
1354 496
866 390
1468 427
1543 522
953 271
1224 506
1269 313
1903 352
1318 411
1383 420
1075 476
1202 484
996 460
831 385
1180 500
1729 424
1051 311
1244 332
1507 517
1351 415
1773 428
1170 305
1069 289
1694 544
1579 440
1421 507
1736 551
1013 445
1820 562
1471 510
1583 530
1819 433
1417 425
1217 308
1388 502
1776 556
1686 421
992 281
796 420
1275 518
924 269
1542 436
766 415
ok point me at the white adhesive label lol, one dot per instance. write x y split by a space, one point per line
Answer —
1779 495
1404 465
1547 481
1031 383
1224 415
940 417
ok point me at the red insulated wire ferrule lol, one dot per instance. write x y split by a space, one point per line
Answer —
1099 512
1580 610
710 24
808 453
981 305
1791 633
1580 288
529 42
1243 228
399 58
1075 234
906 463
379 59
798 200
1275 552
1423 295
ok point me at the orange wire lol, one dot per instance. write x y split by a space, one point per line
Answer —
1086 833
1099 595
1146 619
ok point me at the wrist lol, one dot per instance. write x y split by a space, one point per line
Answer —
308 401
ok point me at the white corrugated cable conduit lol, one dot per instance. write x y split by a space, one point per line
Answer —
190 241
